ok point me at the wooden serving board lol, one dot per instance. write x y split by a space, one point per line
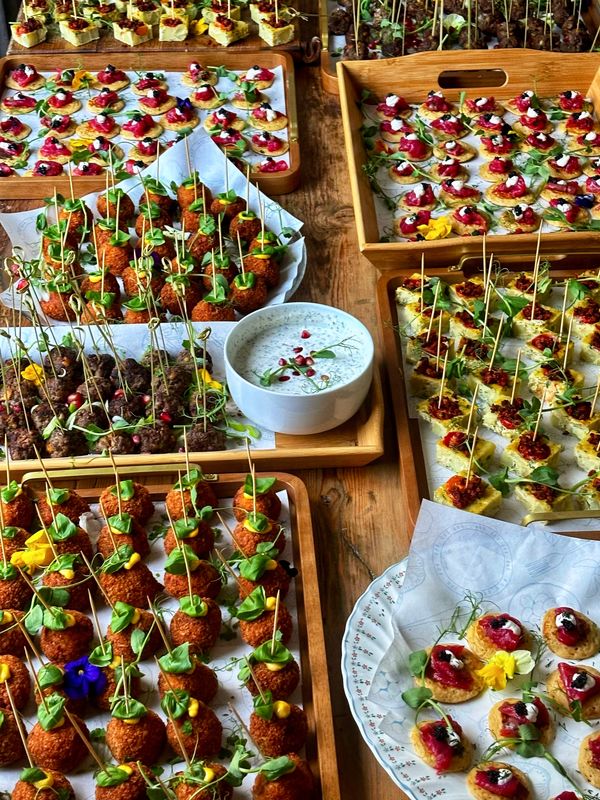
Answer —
316 697
413 471
501 73
20 187
353 444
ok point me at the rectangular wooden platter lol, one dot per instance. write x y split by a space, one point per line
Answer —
413 472
353 444
502 73
19 187
316 698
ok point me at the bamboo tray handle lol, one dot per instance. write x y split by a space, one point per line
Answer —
504 68
82 472
555 516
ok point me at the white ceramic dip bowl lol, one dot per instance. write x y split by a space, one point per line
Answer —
299 368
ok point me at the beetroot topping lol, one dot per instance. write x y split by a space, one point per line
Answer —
468 215
520 713
47 169
541 141
421 195
19 100
392 105
504 631
561 187
570 628
24 75
533 449
513 186
577 682
110 75
459 189
447 667
500 166
534 120
499 144
413 146
442 742
524 101
449 124
481 104
502 782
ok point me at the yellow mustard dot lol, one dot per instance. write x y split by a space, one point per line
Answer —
116 662
271 603
59 723
247 496
125 768
69 574
270 565
7 617
274 667
70 620
282 709
45 783
95 278
193 534
262 256
209 775
5 672
193 707
250 527
130 721
115 531
135 559
136 616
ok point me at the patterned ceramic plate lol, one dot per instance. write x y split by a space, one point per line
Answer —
368 636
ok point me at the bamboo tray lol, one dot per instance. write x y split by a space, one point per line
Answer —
353 444
413 472
19 187
316 697
454 72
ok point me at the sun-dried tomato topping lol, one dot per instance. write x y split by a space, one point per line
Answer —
579 409
540 313
444 409
469 289
533 449
429 368
456 440
491 377
461 493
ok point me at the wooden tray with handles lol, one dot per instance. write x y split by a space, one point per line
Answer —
413 469
501 73
316 698
20 187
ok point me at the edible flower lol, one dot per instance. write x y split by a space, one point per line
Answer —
82 679
33 373
38 553
438 228
503 666
199 26
81 77
207 378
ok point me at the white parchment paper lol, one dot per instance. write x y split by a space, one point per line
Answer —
519 572
220 656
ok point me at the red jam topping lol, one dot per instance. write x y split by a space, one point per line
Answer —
431 369
579 409
502 782
499 629
461 493
520 713
467 319
442 743
446 666
577 682
542 492
533 449
524 283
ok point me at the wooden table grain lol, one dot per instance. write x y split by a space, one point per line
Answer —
358 519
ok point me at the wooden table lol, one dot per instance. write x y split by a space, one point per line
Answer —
352 508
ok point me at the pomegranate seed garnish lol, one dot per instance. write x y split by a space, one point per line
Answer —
298 349
295 372
136 438
300 360
309 361
164 416
305 334
310 372
119 393
282 362
283 378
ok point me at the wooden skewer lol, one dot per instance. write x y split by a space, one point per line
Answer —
35 680
516 377
566 357
536 268
422 279
29 641
96 622
443 380
595 400
496 342
435 301
439 343
19 723
84 739
256 681
275 622
241 721
539 416
95 577
159 626
227 565
562 316
177 733
471 457
472 409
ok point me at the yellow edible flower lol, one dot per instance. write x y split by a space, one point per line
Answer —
38 539
199 26
207 378
80 76
31 559
33 373
438 228
80 144
193 707
503 666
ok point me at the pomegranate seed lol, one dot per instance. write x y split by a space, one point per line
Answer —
146 398
283 378
136 438
310 372
118 393
282 362
164 416
295 372
21 285
75 397
300 360
298 349
305 334
309 361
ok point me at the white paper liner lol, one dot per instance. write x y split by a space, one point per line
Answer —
133 340
220 655
511 509
522 573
